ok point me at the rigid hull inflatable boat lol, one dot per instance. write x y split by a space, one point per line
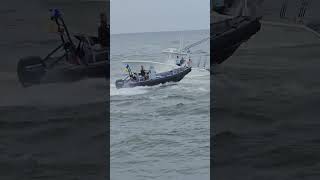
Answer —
74 61
173 75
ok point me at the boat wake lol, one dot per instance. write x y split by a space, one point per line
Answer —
198 72
128 91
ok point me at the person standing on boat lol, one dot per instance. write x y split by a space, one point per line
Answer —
189 62
103 31
143 72
178 61
182 61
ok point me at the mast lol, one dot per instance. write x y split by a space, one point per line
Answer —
181 43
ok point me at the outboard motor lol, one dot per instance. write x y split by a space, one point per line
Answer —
119 83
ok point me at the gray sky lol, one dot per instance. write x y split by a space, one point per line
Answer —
129 16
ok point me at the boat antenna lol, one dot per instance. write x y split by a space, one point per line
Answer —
181 43
195 44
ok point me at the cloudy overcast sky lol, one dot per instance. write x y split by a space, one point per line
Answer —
130 16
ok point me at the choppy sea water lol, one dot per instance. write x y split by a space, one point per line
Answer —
159 132
265 107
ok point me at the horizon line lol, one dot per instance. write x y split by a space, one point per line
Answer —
157 31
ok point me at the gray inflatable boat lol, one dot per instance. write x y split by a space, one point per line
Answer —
173 75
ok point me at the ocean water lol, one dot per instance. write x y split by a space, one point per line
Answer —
159 132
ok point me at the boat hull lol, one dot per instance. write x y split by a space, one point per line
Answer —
152 82
227 36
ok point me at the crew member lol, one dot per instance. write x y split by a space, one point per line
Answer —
135 76
182 61
178 61
142 72
189 62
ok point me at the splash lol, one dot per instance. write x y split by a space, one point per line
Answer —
127 91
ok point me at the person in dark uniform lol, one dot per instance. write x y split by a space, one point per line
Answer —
178 61
103 31
182 61
142 72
